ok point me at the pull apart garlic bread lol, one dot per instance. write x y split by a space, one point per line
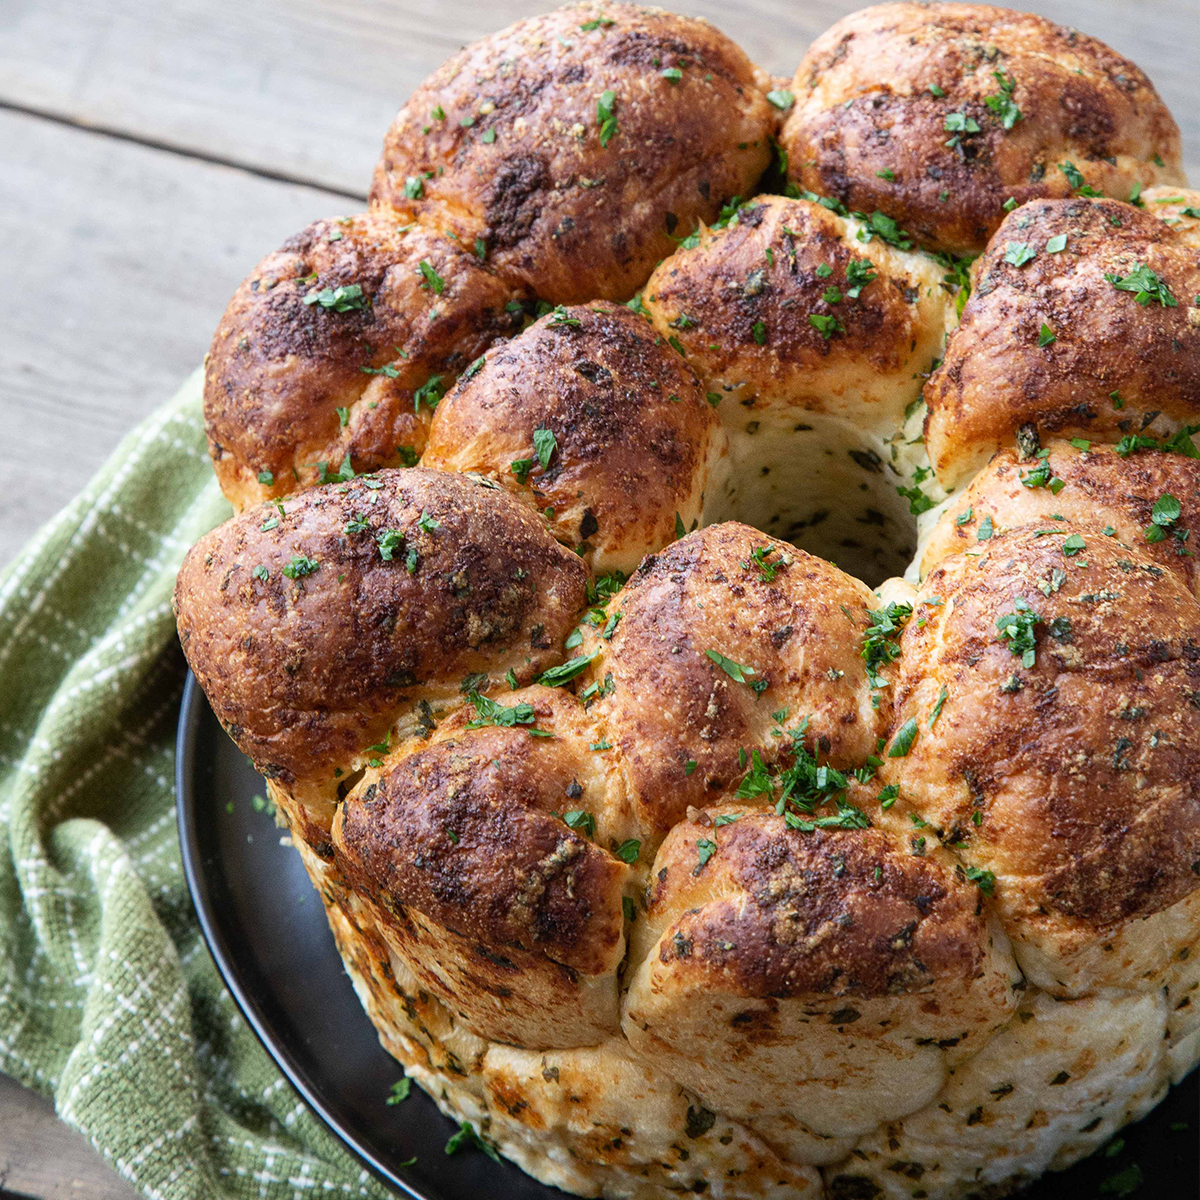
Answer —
665 852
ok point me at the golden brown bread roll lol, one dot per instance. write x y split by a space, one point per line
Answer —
482 853
715 647
316 622
1045 726
574 145
937 115
338 347
1081 483
789 305
628 439
1061 334
781 968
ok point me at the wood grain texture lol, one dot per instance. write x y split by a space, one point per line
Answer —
42 1157
306 87
123 259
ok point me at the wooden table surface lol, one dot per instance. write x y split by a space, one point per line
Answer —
154 151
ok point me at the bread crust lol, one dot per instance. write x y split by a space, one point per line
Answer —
874 93
824 970
635 442
296 378
668 703
740 301
566 205
307 672
1094 485
1073 780
996 377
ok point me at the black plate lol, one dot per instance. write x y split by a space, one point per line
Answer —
267 932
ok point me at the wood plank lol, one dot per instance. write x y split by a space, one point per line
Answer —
305 88
120 260
42 1157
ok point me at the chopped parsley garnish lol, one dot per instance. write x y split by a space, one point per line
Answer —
400 1091
414 185
1146 285
1017 629
606 116
560 316
1046 335
883 227
261 572
943 696
466 1137
826 326
1178 443
918 501
628 851
1122 1183
737 672
1042 476
672 74
505 716
300 566
1073 545
1017 254
759 331
389 541
704 851
781 98
902 743
1075 179
580 819
429 394
432 279
266 478
565 672
985 881
959 124
1002 105
544 445
339 299
521 467
880 642
859 272
766 570
1163 515
427 523
1056 244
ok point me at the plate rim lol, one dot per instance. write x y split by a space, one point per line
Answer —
200 894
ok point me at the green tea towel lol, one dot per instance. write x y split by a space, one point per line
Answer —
109 1001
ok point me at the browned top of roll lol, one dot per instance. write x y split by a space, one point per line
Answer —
469 830
309 643
892 113
1097 485
781 912
996 376
786 303
292 349
1076 780
561 143
788 623
632 431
